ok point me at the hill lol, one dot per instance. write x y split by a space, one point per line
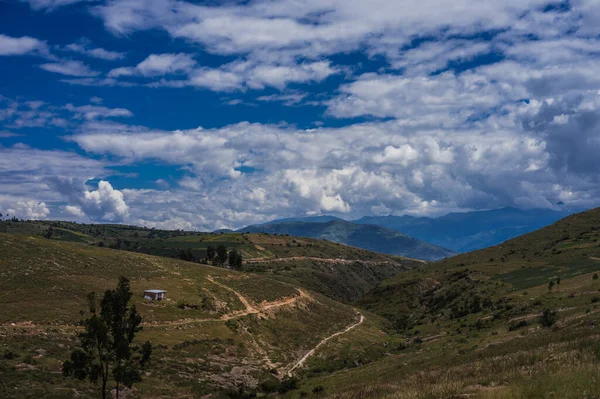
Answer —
469 231
218 330
517 320
369 237
338 271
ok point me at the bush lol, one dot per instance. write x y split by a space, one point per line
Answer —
548 318
288 384
9 355
318 389
595 299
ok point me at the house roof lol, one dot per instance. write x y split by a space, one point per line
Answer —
156 291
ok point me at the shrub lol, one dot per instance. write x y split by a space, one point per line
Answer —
318 389
548 318
595 299
9 355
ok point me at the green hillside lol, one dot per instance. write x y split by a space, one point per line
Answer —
338 271
218 331
495 323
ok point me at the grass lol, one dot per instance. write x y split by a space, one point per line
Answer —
44 283
346 281
454 345
468 326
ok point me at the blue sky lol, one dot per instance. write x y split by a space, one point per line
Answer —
218 114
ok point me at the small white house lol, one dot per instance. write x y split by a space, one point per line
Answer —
155 295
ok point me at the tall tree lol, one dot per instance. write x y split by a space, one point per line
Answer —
106 344
235 260
210 252
221 254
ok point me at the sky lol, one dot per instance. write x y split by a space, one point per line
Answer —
219 114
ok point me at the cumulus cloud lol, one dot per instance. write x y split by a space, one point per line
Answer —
90 112
21 45
24 209
157 65
105 203
314 28
51 5
70 68
84 47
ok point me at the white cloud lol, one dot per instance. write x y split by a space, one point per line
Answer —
249 75
70 68
51 5
96 100
311 29
74 211
90 112
157 65
106 203
21 45
97 52
24 209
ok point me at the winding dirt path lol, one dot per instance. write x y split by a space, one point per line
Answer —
300 362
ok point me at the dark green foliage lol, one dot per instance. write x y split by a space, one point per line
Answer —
550 285
210 252
106 345
9 355
548 318
235 260
187 255
595 276
318 389
221 254
49 233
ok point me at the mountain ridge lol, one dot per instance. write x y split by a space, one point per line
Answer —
370 237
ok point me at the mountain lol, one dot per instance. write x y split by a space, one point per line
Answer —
306 219
367 236
468 231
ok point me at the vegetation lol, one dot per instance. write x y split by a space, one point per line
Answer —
302 261
106 343
480 325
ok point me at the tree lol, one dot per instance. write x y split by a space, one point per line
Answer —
550 285
106 344
595 276
235 260
49 233
221 254
187 255
210 252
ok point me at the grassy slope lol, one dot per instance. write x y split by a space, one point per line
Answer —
341 280
455 345
43 285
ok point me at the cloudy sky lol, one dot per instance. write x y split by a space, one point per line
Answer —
203 115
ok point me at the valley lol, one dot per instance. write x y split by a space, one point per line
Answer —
307 317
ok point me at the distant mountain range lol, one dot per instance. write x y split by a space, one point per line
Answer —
419 237
366 236
468 231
